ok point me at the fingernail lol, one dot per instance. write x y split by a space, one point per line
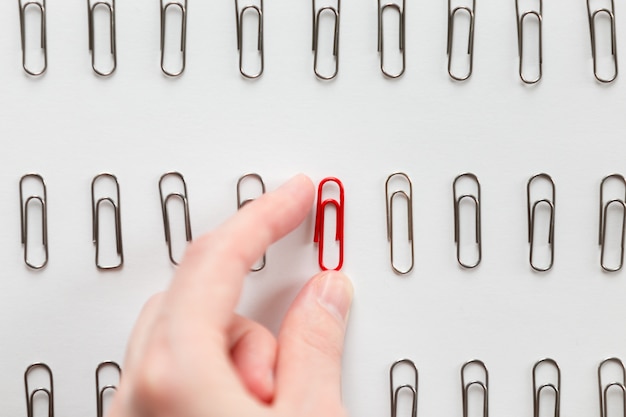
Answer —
335 294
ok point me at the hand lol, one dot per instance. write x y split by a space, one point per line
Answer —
190 355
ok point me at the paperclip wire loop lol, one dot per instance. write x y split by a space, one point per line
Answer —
316 29
401 36
610 13
604 388
182 5
604 208
95 215
184 198
539 388
531 208
482 385
241 202
43 201
319 221
48 392
538 14
239 19
41 5
470 42
394 390
110 6
389 198
475 198
101 390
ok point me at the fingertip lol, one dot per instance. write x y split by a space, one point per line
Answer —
334 292
300 187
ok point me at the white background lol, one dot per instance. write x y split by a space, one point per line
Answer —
214 126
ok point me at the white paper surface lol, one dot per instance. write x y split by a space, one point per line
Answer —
213 126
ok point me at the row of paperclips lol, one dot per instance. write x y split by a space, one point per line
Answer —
46 392
398 187
462 193
39 196
397 6
541 387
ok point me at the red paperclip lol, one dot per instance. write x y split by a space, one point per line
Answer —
319 222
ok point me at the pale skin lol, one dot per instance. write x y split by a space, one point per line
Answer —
191 355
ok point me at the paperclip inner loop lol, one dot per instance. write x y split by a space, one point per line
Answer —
461 54
531 53
102 39
613 233
173 49
603 44
251 64
327 67
393 59
34 49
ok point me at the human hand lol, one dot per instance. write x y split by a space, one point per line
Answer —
190 355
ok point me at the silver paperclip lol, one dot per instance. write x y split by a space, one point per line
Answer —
401 36
41 5
182 5
482 385
615 385
554 387
101 391
602 228
538 14
395 391
239 16
471 12
389 208
91 7
95 215
242 202
475 198
531 208
610 13
47 392
183 197
335 11
43 202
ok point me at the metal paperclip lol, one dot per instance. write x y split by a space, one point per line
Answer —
239 16
319 222
316 26
101 391
475 198
531 208
95 215
610 13
183 197
43 201
538 388
241 202
91 7
389 207
41 5
604 208
48 392
482 385
401 36
395 391
470 42
182 5
538 14
604 388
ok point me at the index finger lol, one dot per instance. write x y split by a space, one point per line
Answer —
209 280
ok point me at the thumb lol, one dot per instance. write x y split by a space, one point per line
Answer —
308 371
